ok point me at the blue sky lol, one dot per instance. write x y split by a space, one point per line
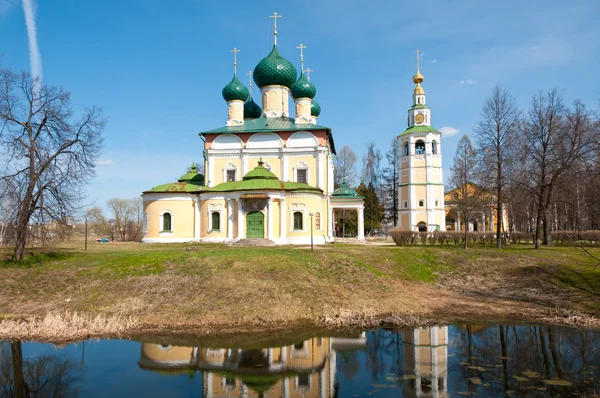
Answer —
157 68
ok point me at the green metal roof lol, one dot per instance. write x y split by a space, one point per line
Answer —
344 191
189 182
419 129
264 124
419 106
261 179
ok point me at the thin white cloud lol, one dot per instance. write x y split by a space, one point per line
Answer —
468 81
6 5
448 131
35 58
105 162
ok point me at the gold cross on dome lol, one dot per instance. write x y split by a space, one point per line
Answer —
275 16
301 47
308 70
250 73
234 51
418 60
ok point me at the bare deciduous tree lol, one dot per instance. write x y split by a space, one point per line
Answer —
466 196
495 134
555 137
49 153
345 167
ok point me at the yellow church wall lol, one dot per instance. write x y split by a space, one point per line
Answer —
182 221
273 164
421 193
160 353
208 206
306 205
436 161
293 161
420 176
221 163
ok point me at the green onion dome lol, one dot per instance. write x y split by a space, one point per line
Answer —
251 109
274 69
235 90
315 109
303 88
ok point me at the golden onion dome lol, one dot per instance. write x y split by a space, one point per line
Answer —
418 78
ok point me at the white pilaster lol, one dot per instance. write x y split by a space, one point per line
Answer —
270 219
320 170
282 219
197 217
240 218
230 217
361 223
284 168
244 165
210 172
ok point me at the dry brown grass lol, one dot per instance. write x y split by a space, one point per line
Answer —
213 287
66 326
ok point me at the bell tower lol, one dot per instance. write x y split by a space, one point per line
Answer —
421 187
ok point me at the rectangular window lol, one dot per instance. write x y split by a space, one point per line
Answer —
298 220
167 222
318 221
215 221
301 175
230 175
406 204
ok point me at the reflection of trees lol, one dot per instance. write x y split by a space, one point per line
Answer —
43 376
531 353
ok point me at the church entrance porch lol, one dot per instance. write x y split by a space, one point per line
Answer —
255 225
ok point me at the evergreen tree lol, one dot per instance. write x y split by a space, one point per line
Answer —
373 208
390 183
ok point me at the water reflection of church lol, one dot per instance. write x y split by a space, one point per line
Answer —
305 369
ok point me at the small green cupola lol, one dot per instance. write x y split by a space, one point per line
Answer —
192 176
251 109
315 109
275 70
235 90
344 191
303 88
260 172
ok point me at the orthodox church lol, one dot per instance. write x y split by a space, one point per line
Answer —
267 175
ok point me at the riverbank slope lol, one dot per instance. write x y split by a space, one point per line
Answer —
113 289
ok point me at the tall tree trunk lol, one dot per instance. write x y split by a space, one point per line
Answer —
19 379
466 243
545 229
499 217
504 356
557 365
538 222
544 352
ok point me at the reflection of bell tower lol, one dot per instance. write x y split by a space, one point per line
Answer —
426 352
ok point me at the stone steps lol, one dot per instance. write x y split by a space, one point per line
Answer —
255 242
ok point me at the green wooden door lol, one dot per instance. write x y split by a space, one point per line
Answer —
255 225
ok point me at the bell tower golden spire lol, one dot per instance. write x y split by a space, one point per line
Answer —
418 77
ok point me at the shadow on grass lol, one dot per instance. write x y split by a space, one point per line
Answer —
35 259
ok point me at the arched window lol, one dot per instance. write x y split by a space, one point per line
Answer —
298 220
215 219
420 147
406 149
318 221
421 203
422 227
166 222
434 147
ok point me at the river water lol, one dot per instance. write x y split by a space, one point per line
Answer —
455 360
